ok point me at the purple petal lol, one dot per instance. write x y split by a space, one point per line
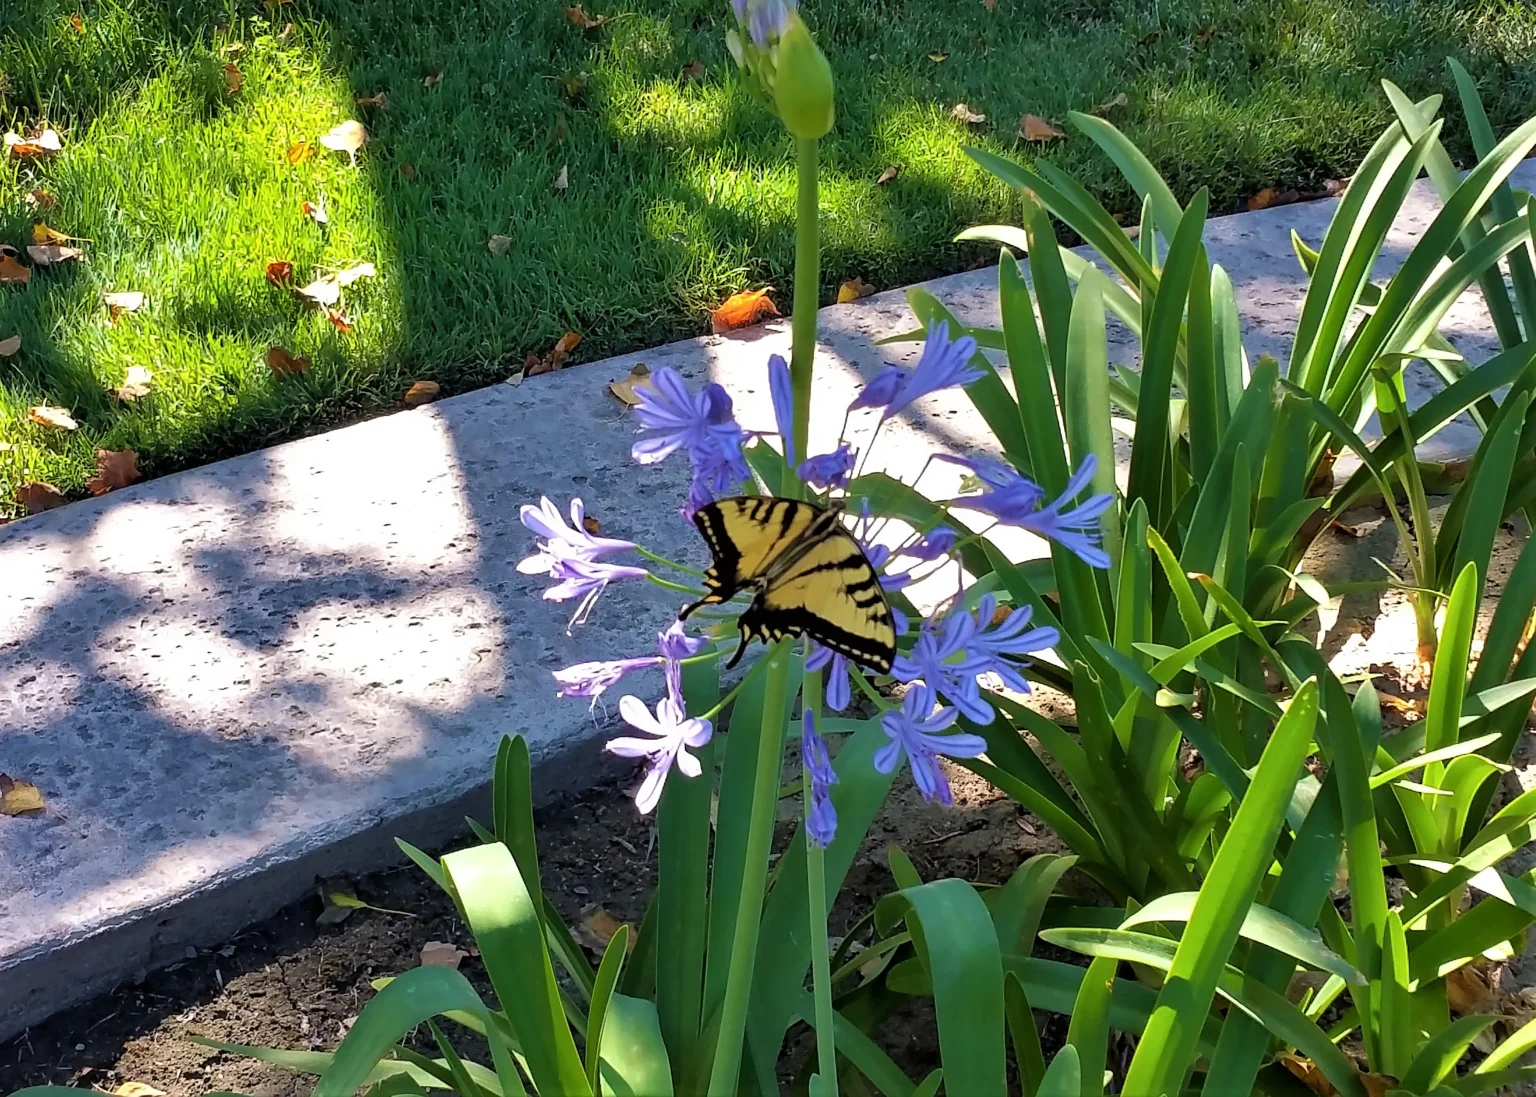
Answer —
781 387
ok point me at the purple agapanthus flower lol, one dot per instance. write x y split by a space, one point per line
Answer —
943 365
561 541
913 730
671 733
700 424
820 814
586 579
593 679
829 470
782 388
1016 500
997 649
765 20
939 542
939 660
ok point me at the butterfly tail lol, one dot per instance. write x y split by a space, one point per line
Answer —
741 649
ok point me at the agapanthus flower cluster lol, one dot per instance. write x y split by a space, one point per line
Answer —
957 653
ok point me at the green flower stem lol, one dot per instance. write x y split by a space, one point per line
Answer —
807 289
667 584
726 1071
662 560
816 906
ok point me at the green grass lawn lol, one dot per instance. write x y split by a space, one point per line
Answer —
680 188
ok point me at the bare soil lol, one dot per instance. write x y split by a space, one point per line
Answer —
291 983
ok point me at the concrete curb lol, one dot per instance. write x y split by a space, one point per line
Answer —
234 679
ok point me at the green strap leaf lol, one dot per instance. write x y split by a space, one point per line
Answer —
634 1061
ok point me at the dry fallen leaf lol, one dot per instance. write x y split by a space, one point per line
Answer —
119 303
347 137
624 390
432 79
45 255
889 175
852 290
233 79
136 384
38 497
498 244
742 309
43 234
693 70
555 359
284 363
1306 1070
438 954
353 273
1115 102
1335 187
10 346
19 797
315 211
963 113
77 23
563 180
422 392
1377 1085
597 928
407 172
990 5
46 415
1034 128
379 99
1469 988
36 147
324 292
39 199
280 272
11 270
938 57
1270 197
340 320
114 469
137 1089
300 151
576 14
1357 530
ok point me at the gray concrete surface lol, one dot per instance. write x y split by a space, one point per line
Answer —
229 681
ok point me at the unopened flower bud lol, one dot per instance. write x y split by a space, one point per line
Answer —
802 84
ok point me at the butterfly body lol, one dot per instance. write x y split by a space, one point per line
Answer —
807 573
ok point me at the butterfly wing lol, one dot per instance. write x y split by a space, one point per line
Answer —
830 593
747 534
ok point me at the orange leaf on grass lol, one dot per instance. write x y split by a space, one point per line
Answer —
45 143
534 365
42 234
379 99
422 392
315 211
577 14
962 113
39 199
300 151
339 320
280 272
233 79
693 70
852 290
77 23
114 469
284 363
11 270
1034 128
47 415
37 497
742 310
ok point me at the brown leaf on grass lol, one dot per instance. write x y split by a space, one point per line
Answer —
852 290
315 211
407 172
597 928
563 180
46 415
37 497
233 78
938 57
137 1089
114 469
1469 988
39 200
693 70
990 5
577 14
119 303
534 365
1335 187
280 272
347 137
45 255
742 310
1034 128
340 320
45 235
432 79
378 100
439 954
284 363
136 384
300 151
77 23
18 797
9 347
624 390
39 145
11 270
422 392
1118 101
1268 197
499 244
962 113
889 175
